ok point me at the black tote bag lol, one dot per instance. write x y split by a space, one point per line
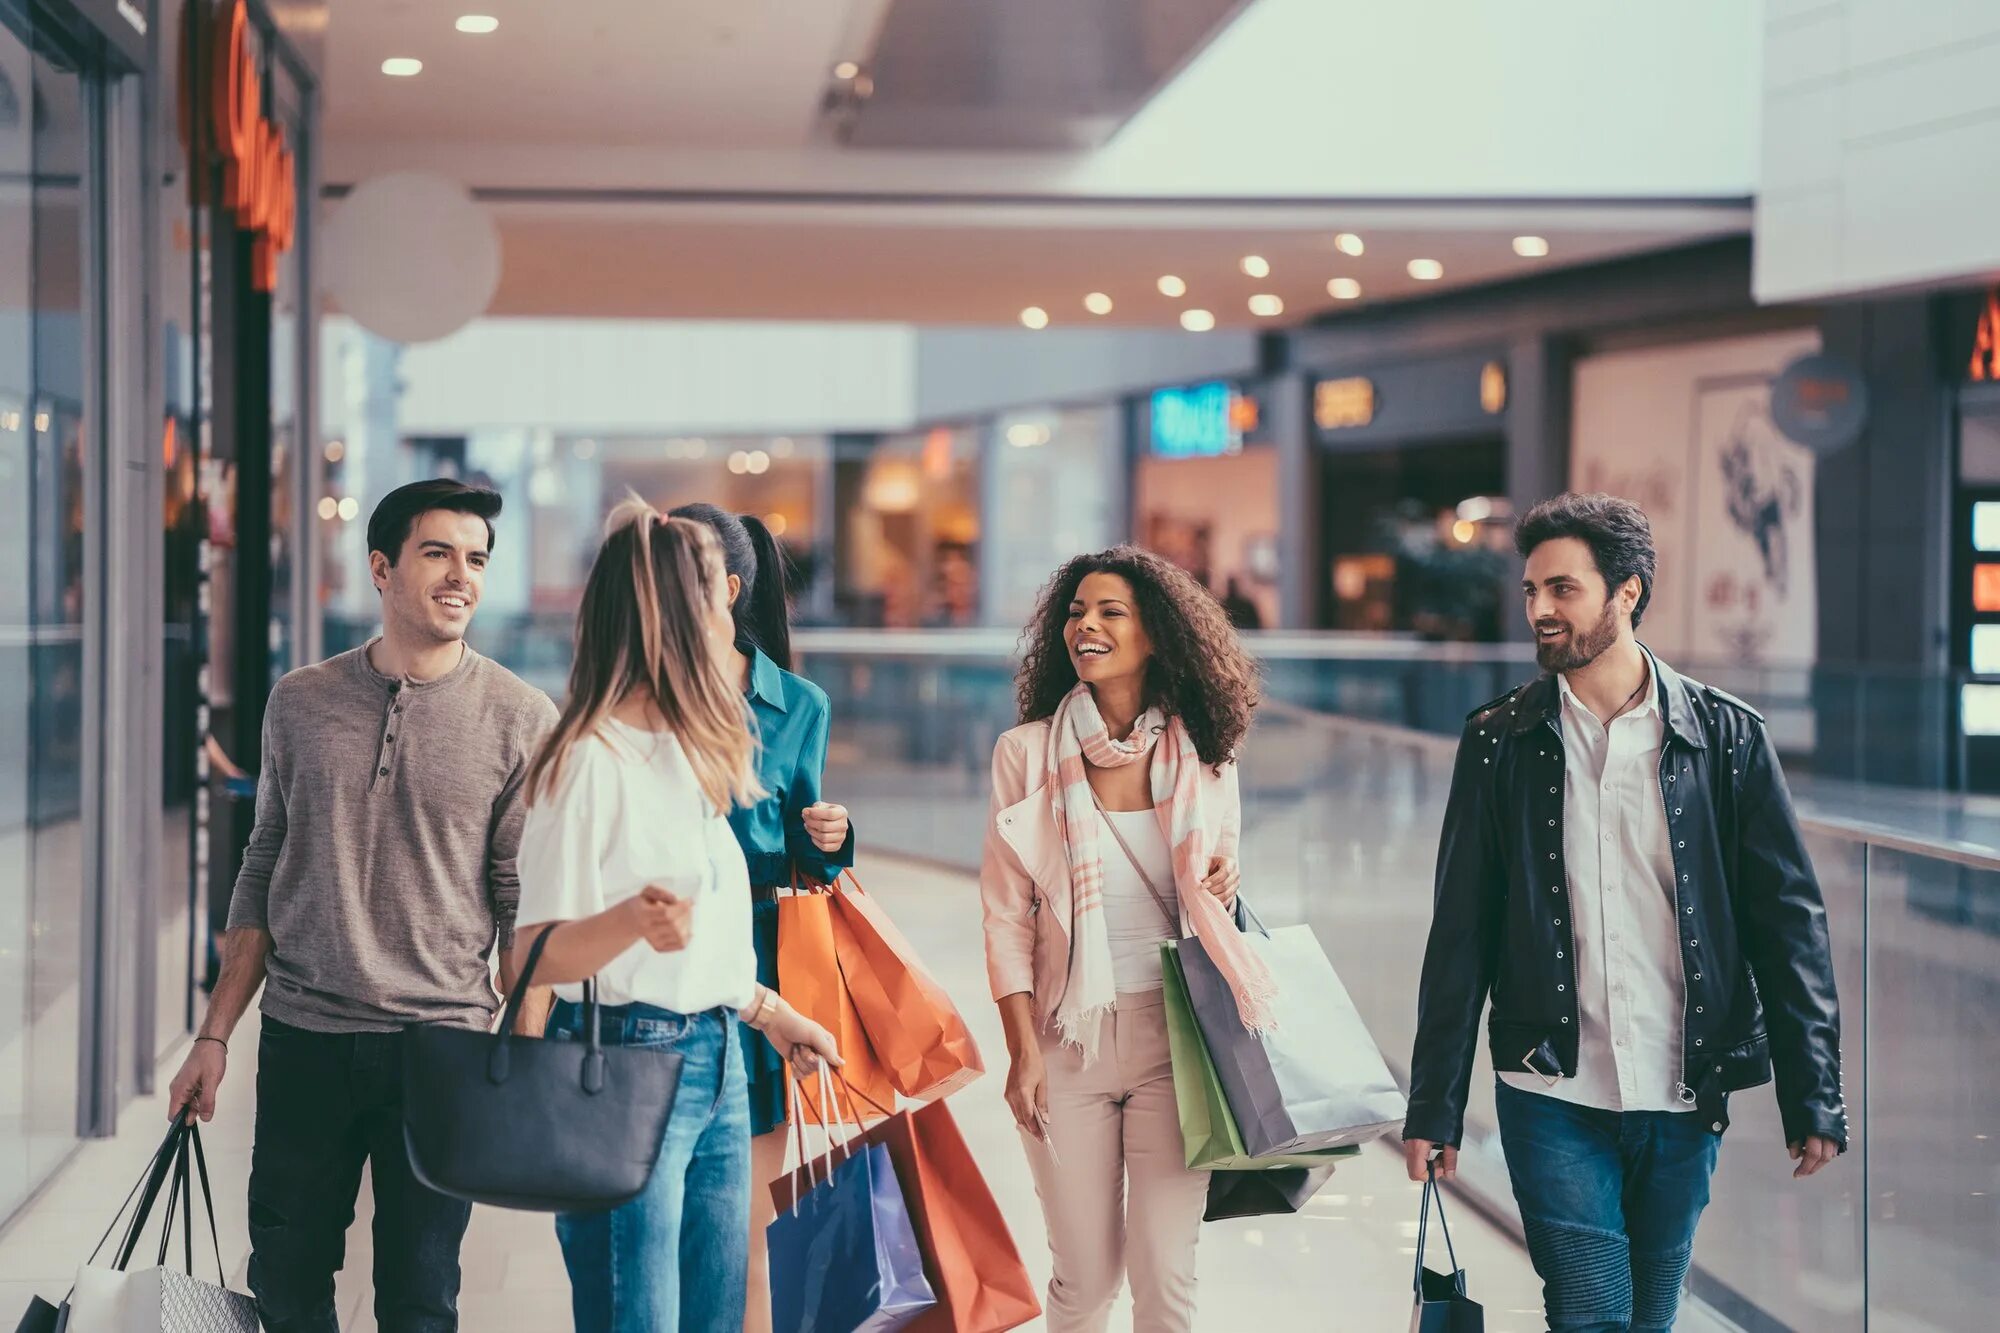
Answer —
1441 1305
544 1126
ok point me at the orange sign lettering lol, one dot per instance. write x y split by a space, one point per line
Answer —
259 174
1986 341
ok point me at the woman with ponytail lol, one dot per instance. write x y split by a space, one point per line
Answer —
629 867
787 832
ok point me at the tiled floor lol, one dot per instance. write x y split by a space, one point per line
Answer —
1342 1264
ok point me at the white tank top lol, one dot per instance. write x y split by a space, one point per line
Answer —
1133 919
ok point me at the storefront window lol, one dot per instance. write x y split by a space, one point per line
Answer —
909 530
43 158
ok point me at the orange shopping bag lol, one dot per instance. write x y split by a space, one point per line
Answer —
809 978
916 1030
970 1259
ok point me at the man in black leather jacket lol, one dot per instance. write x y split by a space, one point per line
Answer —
1621 869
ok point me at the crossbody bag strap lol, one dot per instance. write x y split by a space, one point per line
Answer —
1173 917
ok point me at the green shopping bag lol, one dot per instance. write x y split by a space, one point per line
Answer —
1207 1128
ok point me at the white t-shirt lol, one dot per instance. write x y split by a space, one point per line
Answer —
626 813
1133 920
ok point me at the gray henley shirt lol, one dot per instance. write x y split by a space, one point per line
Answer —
382 860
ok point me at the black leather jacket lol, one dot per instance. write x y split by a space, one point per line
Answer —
1757 969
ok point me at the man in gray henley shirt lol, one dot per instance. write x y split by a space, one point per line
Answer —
378 882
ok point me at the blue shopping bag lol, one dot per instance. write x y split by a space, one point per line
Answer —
844 1259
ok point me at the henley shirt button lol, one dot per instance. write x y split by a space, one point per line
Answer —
389 739
381 772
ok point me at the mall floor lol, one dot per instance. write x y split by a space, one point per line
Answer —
1342 1264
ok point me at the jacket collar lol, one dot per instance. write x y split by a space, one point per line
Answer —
1541 701
767 682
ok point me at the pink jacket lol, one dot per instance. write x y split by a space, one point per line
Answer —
1024 885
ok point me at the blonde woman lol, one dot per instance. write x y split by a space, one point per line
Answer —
628 860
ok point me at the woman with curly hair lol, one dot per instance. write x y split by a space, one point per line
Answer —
1113 828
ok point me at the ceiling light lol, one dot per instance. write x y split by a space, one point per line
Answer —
1530 247
845 70
1256 266
329 508
1035 317
1172 286
782 447
739 462
478 23
1266 306
776 523
350 509
335 451
585 449
1426 270
402 67
1348 243
697 448
1344 289
42 422
1097 303
1197 321
758 463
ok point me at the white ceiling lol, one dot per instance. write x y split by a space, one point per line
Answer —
682 171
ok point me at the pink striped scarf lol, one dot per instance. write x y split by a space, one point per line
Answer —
1077 733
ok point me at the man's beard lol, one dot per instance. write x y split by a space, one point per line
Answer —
1581 648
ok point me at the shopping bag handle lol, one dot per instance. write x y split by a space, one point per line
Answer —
1432 1194
147 1192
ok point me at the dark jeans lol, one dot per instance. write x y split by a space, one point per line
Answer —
327 1103
1609 1201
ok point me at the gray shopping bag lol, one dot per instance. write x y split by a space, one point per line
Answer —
1317 1080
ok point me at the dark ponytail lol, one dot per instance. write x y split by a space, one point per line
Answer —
752 554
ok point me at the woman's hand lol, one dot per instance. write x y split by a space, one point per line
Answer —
1224 879
826 825
659 918
1028 1092
805 1043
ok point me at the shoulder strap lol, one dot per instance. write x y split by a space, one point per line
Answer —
1173 917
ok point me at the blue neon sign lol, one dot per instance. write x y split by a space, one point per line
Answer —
1195 422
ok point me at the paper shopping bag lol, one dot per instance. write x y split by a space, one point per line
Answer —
844 1258
810 979
913 1027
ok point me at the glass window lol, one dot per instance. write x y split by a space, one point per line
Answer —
42 605
1986 525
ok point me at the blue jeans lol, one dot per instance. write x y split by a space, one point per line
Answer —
1609 1201
675 1259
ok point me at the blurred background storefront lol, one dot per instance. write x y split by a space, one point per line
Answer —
155 327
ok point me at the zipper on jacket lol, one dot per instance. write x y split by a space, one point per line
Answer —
1682 1092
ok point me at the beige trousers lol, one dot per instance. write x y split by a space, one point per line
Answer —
1113 1180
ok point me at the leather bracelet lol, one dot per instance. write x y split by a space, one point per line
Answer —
217 1040
756 1020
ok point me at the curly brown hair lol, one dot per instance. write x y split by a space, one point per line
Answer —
1199 672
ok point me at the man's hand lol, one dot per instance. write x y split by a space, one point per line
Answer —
1224 878
826 825
1813 1156
194 1088
1417 1155
660 919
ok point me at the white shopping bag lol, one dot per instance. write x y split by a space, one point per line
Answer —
155 1300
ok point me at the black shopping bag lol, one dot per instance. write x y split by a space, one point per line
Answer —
1441 1303
1270 1193
40 1318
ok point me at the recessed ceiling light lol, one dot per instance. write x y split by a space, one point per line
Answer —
1266 306
402 67
1426 270
846 69
1344 289
1097 303
1197 321
478 23
349 510
1256 266
1348 243
1530 247
1172 286
329 508
1035 317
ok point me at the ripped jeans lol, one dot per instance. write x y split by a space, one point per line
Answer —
1609 1201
